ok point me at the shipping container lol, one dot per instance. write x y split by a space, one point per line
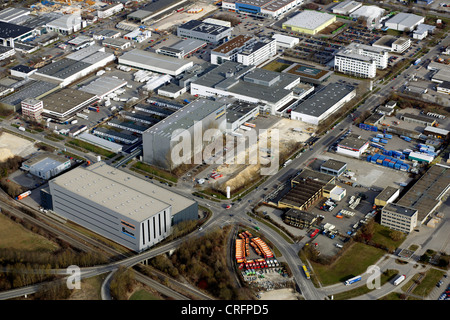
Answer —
375 140
383 141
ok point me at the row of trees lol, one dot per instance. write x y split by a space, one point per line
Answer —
122 283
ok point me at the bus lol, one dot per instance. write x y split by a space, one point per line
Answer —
305 270
352 280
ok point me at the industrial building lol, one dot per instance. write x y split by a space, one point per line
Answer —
10 33
150 61
211 33
333 167
240 112
75 66
46 165
323 103
404 21
109 10
182 48
346 7
388 195
22 71
309 22
284 41
103 86
100 142
116 44
121 207
160 140
244 49
66 24
352 146
427 194
372 15
128 125
306 189
14 15
63 104
422 31
299 218
261 8
419 119
114 136
398 217
28 89
171 90
247 83
438 133
6 52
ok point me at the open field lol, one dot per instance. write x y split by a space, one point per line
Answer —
14 236
352 263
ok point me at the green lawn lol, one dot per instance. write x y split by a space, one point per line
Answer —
91 147
143 295
428 283
155 171
354 261
382 237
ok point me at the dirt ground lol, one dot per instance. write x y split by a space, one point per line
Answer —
11 145
237 176
182 17
280 294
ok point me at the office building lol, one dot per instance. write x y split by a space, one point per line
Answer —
32 108
323 103
182 48
398 217
393 44
422 31
244 49
211 33
46 165
309 22
121 207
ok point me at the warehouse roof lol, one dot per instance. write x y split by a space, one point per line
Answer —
324 99
103 85
186 117
10 30
32 89
425 195
352 142
204 27
121 192
63 68
65 99
387 193
333 164
309 19
406 19
153 60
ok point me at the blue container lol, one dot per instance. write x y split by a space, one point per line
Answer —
397 166
380 135
391 164
369 158
375 140
388 136
383 141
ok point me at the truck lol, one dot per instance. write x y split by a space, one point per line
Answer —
399 280
23 195
417 62
74 122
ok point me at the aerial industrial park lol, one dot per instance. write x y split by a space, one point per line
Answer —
230 150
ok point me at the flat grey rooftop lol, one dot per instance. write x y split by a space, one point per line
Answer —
153 59
103 85
186 117
393 207
32 89
324 99
309 19
121 192
63 68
